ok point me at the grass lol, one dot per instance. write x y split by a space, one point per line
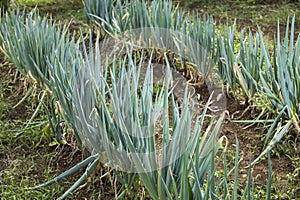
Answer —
19 157
59 9
248 13
18 167
23 167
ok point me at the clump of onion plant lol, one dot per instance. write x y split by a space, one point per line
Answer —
30 41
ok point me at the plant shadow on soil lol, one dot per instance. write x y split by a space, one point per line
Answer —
28 160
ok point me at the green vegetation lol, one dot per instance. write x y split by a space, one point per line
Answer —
63 11
247 12
83 99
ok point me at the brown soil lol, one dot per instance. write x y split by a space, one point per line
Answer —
251 142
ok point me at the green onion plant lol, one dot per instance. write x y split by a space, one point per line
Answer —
227 57
29 41
279 81
158 16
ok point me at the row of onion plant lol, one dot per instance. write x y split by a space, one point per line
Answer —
247 66
31 42
122 17
250 65
268 70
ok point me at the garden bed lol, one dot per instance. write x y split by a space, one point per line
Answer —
32 157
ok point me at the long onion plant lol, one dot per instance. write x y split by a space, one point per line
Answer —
279 81
29 41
